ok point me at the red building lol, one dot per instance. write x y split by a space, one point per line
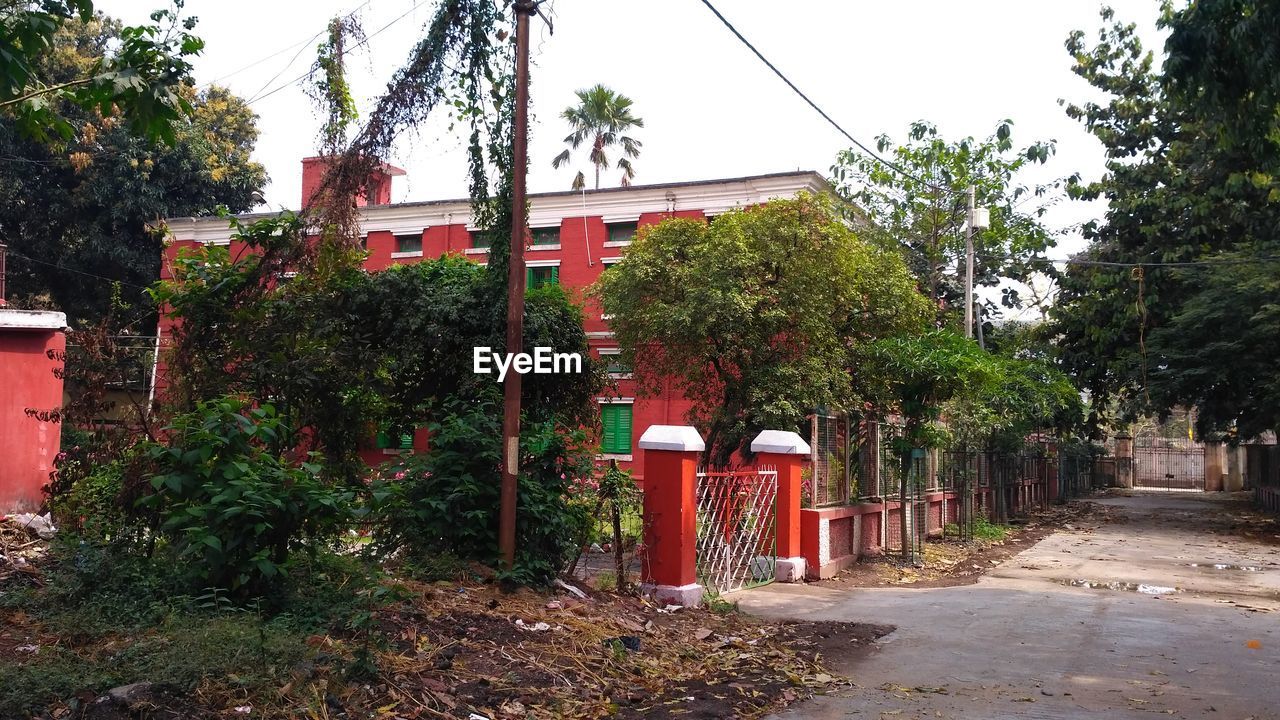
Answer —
575 236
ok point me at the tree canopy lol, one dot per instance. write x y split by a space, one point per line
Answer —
1193 186
922 209
759 316
601 118
91 204
138 78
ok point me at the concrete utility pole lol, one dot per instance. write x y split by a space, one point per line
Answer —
515 290
975 219
968 266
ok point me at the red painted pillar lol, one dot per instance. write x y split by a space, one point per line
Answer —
32 348
670 466
785 451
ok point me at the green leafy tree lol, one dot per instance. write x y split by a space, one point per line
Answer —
602 118
91 204
341 351
923 209
916 376
1193 160
758 317
140 77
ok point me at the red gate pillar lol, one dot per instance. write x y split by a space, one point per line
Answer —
785 451
668 572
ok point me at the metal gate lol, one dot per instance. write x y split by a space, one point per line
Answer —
1161 463
737 515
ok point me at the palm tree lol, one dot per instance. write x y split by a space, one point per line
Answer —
601 116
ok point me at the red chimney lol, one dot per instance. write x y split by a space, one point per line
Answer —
379 193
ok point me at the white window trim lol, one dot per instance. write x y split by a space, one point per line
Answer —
536 248
617 243
601 334
616 401
611 260
407 254
614 219
541 263
475 251
615 456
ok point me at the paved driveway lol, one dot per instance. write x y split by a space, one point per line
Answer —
1161 608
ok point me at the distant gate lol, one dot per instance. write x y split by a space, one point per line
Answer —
737 514
1164 463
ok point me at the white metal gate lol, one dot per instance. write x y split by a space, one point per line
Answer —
737 516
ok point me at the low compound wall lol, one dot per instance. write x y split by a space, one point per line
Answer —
833 538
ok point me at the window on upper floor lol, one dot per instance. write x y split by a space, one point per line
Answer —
545 235
613 364
536 277
479 239
622 231
409 243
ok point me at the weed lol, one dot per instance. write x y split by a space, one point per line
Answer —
716 603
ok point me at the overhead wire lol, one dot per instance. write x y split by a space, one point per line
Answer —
363 41
876 156
284 50
11 253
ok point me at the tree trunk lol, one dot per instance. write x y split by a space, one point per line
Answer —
618 565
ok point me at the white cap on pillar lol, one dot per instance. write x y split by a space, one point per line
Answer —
782 442
680 438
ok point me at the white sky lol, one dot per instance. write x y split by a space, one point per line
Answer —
711 109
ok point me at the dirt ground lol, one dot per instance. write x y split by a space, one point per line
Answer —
1148 603
471 651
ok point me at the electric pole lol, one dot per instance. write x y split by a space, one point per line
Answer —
968 266
515 290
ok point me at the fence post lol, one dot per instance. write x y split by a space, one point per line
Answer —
1213 467
785 450
1124 460
669 572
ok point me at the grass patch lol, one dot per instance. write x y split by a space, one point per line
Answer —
983 529
107 617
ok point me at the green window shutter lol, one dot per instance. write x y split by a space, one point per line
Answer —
528 279
624 429
406 441
617 429
555 275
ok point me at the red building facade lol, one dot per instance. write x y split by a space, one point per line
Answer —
575 236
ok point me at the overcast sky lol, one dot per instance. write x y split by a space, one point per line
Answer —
711 110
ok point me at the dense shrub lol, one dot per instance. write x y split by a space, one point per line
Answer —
446 501
231 507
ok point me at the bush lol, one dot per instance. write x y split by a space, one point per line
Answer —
231 507
446 502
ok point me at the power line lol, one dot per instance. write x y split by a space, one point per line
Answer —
1152 264
284 50
883 161
362 43
74 270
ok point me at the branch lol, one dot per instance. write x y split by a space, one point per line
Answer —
46 91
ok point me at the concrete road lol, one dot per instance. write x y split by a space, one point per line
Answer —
1155 607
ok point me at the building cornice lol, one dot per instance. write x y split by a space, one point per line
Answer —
713 197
